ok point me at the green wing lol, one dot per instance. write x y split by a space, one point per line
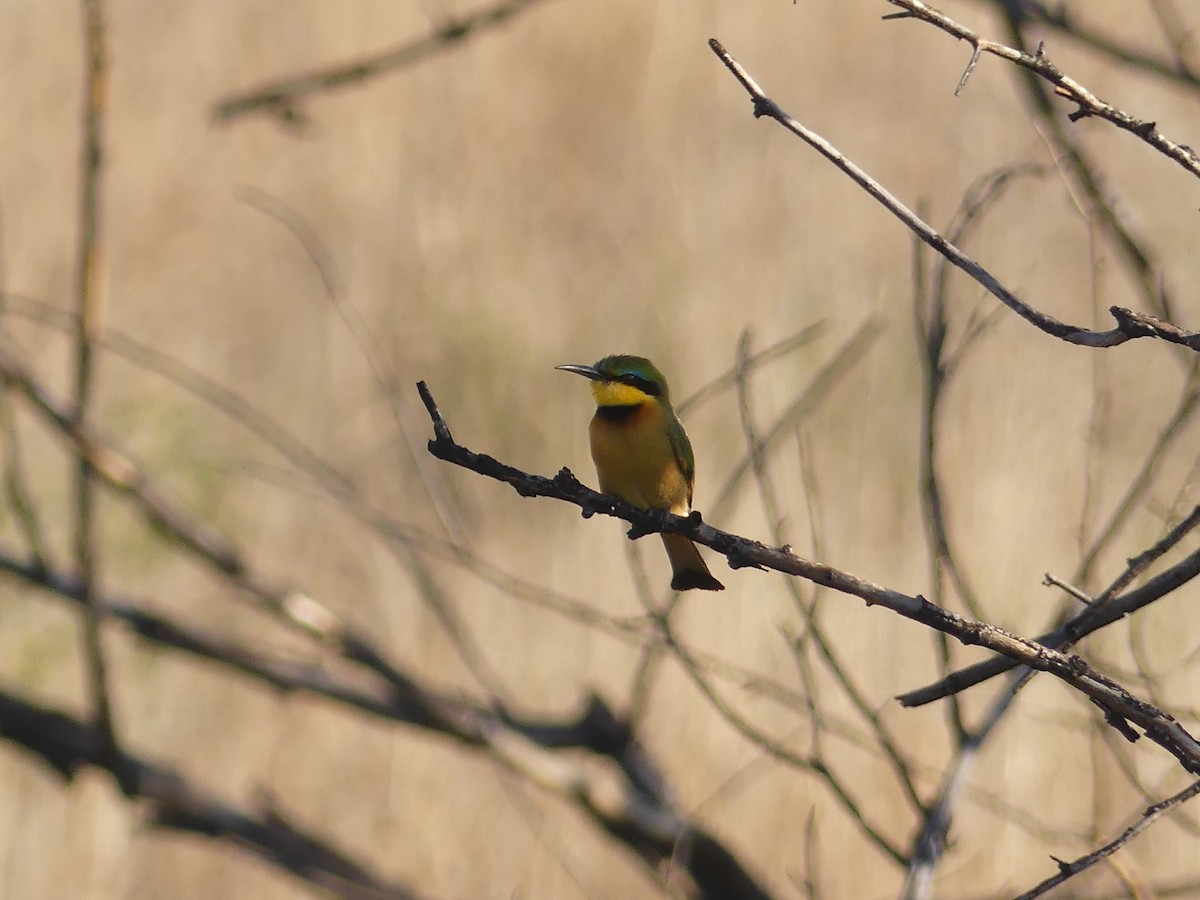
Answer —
682 449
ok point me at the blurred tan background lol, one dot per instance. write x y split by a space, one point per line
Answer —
586 179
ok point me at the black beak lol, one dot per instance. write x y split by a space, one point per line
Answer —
586 371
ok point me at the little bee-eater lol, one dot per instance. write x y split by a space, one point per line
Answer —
642 453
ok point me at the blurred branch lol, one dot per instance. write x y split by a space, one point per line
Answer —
1174 30
814 763
428 587
850 354
1133 249
726 379
637 631
1122 710
67 745
89 297
1130 324
378 362
629 798
1064 86
1185 411
637 809
124 476
195 382
293 607
940 361
1067 870
814 630
1139 260
282 98
16 489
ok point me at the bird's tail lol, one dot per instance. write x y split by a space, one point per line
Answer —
688 566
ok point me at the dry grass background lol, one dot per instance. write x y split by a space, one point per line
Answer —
587 179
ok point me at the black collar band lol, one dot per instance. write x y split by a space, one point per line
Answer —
617 413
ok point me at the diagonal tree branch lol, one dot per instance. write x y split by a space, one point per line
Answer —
1130 324
1121 709
283 98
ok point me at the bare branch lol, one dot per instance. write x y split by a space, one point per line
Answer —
1121 709
815 763
1127 327
17 490
1064 86
1054 581
850 354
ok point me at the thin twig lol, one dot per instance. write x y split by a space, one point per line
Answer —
1175 31
940 361
89 296
1078 593
801 338
1067 870
121 474
1130 325
378 362
337 489
16 489
1175 428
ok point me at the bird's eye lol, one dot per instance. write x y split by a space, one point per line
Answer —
645 385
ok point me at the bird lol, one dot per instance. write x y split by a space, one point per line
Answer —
642 454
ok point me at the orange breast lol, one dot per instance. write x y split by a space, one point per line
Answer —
635 461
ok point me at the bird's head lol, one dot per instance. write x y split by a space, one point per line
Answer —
623 380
